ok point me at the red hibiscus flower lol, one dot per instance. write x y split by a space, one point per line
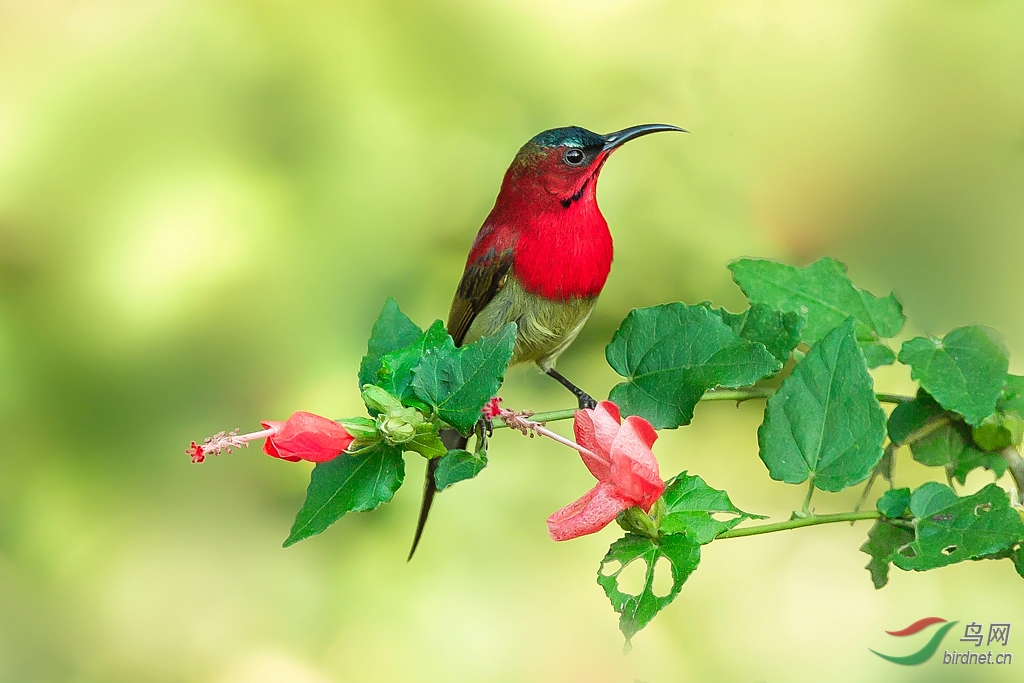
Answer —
305 436
621 459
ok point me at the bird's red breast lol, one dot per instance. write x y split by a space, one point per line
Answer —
561 243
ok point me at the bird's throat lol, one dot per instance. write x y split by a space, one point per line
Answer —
566 253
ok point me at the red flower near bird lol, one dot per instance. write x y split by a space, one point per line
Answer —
620 458
303 436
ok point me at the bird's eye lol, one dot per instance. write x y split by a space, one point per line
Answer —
573 157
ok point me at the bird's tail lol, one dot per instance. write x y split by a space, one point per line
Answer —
452 440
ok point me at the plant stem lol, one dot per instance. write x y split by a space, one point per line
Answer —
807 500
894 398
550 416
801 522
738 395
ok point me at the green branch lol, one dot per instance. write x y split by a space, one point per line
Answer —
738 395
800 522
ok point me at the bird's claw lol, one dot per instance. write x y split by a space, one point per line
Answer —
586 402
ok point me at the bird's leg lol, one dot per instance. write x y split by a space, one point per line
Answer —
584 399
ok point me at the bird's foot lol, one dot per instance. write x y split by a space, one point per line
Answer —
583 399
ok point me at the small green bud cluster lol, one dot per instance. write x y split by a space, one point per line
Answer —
402 426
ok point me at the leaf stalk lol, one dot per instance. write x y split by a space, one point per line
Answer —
799 522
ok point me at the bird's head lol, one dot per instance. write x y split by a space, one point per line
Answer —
559 167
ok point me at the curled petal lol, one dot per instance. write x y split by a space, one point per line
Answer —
595 430
305 436
634 470
589 514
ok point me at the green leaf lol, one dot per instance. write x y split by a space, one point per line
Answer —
690 503
426 442
971 459
636 611
395 373
1012 397
998 431
951 529
671 354
884 539
392 331
824 422
894 502
931 497
458 381
1018 560
778 331
950 446
965 371
348 483
823 293
942 446
877 354
907 418
457 465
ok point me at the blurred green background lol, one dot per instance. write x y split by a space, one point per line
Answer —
204 204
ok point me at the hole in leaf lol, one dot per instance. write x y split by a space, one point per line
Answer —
633 577
723 516
610 568
662 584
984 507
908 552
949 550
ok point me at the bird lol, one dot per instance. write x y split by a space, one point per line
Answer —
540 260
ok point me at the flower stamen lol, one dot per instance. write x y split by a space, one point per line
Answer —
224 441
520 421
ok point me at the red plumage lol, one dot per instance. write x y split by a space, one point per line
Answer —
546 232
561 251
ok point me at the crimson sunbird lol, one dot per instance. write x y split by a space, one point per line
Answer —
540 259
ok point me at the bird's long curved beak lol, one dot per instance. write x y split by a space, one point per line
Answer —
619 137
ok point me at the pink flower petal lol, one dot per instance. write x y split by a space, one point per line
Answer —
595 430
634 470
589 514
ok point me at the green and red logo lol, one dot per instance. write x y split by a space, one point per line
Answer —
929 648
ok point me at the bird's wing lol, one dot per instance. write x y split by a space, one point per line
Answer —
484 277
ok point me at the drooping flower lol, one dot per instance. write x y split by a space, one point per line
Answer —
305 436
619 456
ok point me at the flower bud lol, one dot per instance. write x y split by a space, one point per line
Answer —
399 425
379 400
305 436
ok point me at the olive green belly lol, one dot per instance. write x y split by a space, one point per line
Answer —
545 327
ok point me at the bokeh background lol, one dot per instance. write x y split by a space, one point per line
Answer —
203 205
